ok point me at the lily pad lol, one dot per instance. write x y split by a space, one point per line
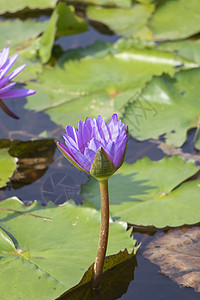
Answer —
173 103
13 6
117 3
47 250
7 166
176 19
151 195
177 254
87 86
189 49
126 22
17 34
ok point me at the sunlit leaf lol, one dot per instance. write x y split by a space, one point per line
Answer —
7 166
176 19
117 3
126 22
51 255
84 87
13 6
173 103
144 193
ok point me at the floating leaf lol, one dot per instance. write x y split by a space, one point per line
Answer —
13 6
17 33
98 85
51 256
189 49
126 22
117 3
144 193
177 254
176 19
62 22
173 103
7 166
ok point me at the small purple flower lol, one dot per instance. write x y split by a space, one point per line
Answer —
96 148
5 87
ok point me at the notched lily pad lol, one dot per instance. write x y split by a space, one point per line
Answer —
150 193
173 103
98 85
7 166
177 254
52 252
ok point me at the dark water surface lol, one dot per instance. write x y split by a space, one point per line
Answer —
50 177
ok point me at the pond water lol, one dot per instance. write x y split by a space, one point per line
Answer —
40 170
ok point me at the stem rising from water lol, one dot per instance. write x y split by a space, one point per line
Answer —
103 238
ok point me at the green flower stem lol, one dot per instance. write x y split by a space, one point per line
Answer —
103 238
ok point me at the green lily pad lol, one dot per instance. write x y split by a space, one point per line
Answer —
133 21
83 87
176 19
117 3
148 193
17 33
189 49
7 166
49 249
13 6
173 103
63 22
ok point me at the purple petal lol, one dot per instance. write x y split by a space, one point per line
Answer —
114 127
110 150
120 152
69 142
81 159
69 156
103 129
11 75
8 65
16 93
90 155
84 135
94 145
7 87
72 132
4 56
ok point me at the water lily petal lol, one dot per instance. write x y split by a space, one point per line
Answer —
81 159
4 56
9 77
90 154
8 65
118 157
94 145
69 142
110 150
16 93
72 132
7 87
69 156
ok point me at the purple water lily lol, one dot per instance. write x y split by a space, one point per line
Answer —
5 87
94 138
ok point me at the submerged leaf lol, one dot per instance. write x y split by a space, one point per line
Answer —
177 254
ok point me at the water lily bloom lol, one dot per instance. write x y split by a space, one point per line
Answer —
96 148
6 90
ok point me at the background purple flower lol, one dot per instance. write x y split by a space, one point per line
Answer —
81 146
6 90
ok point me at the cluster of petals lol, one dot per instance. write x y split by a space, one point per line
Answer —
6 63
81 145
